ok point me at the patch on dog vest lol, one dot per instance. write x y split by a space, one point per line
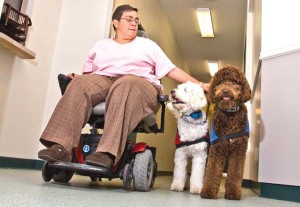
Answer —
214 137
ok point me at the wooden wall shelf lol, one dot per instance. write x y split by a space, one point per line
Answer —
15 47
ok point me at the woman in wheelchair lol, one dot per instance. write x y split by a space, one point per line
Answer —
123 71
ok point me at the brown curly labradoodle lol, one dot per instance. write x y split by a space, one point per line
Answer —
229 133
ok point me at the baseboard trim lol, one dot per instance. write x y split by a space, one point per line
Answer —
250 184
280 192
9 162
164 173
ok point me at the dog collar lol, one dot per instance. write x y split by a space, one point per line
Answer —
234 109
196 114
195 121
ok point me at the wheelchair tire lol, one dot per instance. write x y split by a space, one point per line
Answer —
143 171
154 174
47 173
63 176
127 176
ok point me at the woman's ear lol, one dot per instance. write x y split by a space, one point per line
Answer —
115 23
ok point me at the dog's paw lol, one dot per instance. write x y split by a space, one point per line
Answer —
177 187
195 189
233 193
208 194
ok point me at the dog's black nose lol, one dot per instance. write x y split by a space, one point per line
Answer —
225 92
172 92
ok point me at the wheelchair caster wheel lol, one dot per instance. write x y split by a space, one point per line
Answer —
143 171
63 176
94 178
127 176
47 173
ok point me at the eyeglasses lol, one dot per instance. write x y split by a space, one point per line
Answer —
132 20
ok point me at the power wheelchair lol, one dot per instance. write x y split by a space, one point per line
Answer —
137 164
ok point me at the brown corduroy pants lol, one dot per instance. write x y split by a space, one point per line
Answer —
128 100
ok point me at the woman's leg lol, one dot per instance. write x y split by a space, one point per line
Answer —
74 109
129 100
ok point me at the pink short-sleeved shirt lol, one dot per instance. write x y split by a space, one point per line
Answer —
141 57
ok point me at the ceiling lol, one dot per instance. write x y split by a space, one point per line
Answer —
229 23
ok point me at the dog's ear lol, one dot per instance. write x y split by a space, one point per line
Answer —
198 101
246 96
211 92
246 93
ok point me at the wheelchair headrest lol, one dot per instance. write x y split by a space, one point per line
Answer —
141 33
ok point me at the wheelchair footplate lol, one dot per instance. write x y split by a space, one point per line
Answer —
63 171
81 168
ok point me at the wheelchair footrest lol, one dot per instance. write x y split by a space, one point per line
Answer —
77 167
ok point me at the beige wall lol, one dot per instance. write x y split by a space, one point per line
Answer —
156 24
252 58
61 35
24 85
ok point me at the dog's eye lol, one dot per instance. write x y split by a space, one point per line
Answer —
185 90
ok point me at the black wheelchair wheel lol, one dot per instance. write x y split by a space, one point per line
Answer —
154 174
47 173
94 178
143 171
127 176
63 176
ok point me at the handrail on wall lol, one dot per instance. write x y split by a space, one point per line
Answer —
256 79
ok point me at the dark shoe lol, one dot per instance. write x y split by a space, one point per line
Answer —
100 159
55 153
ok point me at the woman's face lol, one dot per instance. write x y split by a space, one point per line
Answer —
127 26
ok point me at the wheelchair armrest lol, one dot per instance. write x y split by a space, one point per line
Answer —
162 98
63 81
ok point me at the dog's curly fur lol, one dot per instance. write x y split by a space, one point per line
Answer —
228 89
186 99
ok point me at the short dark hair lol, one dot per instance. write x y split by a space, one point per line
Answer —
119 11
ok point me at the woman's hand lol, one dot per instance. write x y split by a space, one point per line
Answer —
205 86
72 75
181 76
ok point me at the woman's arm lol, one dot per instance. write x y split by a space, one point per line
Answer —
180 76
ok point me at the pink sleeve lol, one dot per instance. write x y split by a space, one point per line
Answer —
88 65
163 64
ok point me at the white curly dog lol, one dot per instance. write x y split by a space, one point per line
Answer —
187 103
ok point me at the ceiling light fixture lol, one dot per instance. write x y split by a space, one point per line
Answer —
213 67
205 23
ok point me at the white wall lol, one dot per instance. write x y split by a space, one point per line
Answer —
279 141
24 85
280 25
280 118
1 4
61 35
78 30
